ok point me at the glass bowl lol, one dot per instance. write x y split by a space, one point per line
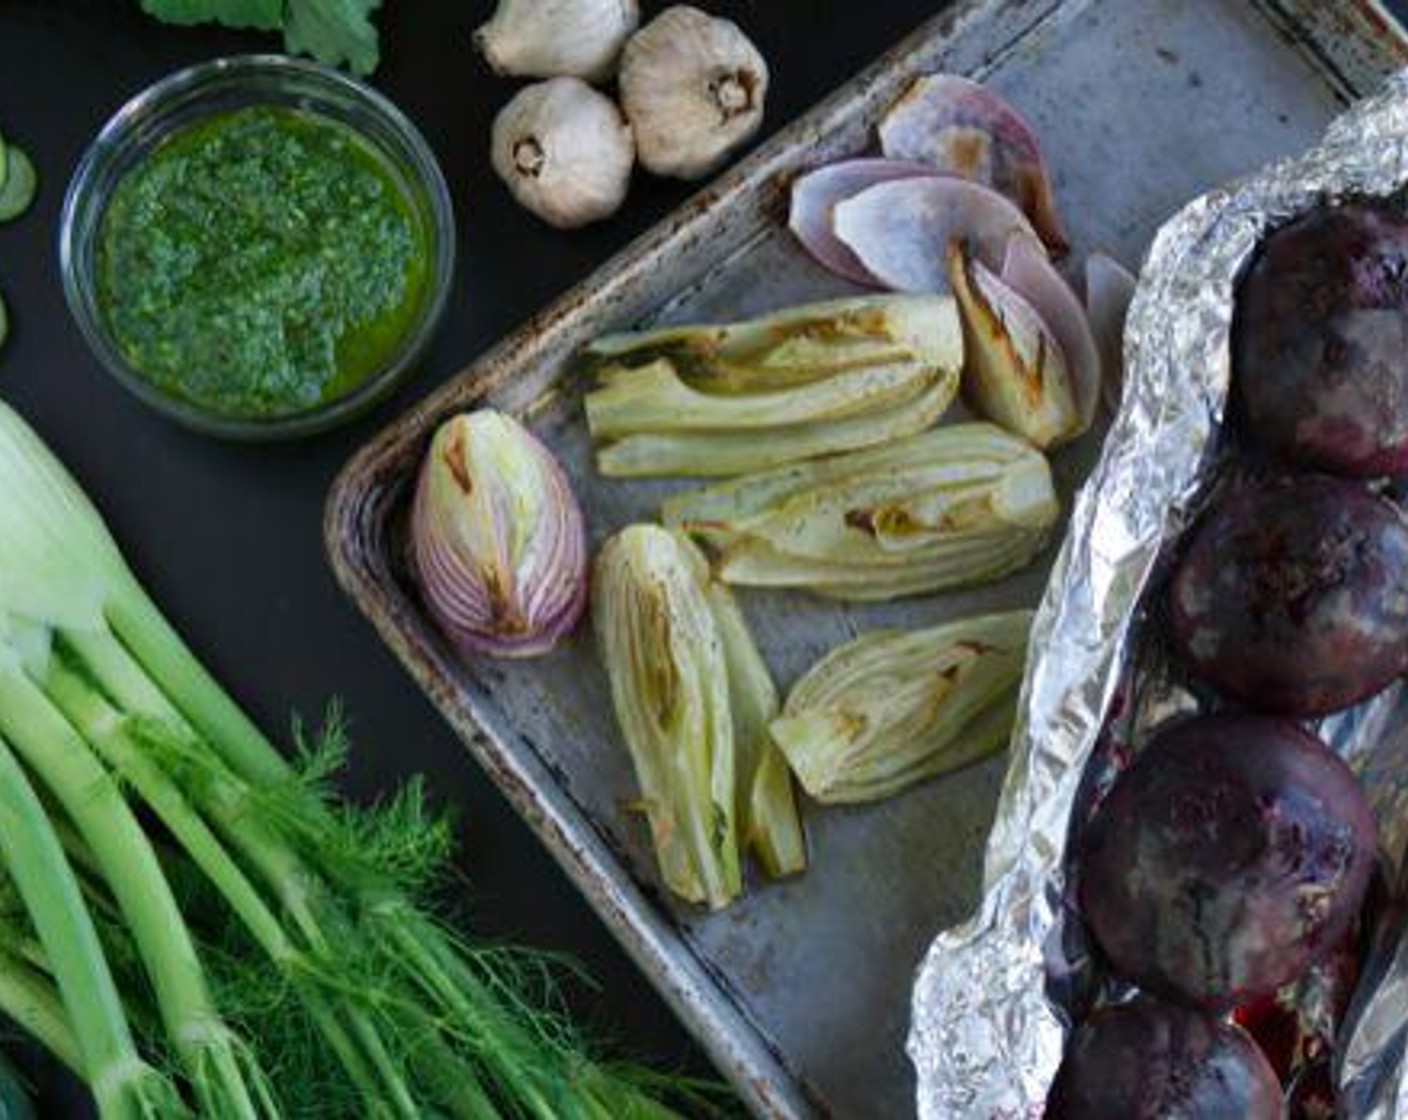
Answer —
194 94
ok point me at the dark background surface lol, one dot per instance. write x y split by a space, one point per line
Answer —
228 538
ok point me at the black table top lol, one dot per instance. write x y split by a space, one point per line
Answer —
228 538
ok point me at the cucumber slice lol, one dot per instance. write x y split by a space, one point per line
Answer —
19 186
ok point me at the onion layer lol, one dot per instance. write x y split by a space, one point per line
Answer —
1015 371
1109 290
497 539
962 128
901 230
816 195
1028 271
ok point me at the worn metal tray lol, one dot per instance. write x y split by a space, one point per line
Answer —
800 991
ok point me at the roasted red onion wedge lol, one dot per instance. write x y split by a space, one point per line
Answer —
815 197
963 129
1028 271
1014 370
497 539
900 231
1109 289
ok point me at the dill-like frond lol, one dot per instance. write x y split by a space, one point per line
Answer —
390 947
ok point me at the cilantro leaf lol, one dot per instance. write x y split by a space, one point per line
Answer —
266 15
334 32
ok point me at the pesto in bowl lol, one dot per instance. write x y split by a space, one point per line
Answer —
258 247
260 263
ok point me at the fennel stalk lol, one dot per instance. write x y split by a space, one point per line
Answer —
124 1086
419 1021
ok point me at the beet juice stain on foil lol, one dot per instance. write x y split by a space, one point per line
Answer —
994 997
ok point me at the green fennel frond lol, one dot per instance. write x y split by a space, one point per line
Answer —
322 935
398 839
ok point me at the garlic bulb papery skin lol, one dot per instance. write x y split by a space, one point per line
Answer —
693 88
557 38
565 152
498 540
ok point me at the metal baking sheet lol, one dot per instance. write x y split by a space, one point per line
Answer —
800 991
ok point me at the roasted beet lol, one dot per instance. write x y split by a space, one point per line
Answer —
1147 1060
1321 341
1296 1026
1312 1095
1233 854
1293 597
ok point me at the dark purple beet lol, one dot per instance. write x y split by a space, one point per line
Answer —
1147 1060
1232 855
1312 1096
1321 341
1293 597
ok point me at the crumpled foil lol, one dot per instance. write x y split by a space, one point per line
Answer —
995 997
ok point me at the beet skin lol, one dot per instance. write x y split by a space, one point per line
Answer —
1321 341
1293 596
1233 854
1147 1060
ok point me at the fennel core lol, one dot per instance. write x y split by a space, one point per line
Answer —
693 698
324 909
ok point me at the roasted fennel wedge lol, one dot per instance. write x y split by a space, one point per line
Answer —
693 699
957 505
894 707
812 380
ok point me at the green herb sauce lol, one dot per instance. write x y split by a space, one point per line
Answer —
261 263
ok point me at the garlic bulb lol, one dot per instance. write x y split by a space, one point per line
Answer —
564 152
557 38
693 89
497 539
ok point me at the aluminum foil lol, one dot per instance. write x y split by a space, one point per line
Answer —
994 997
